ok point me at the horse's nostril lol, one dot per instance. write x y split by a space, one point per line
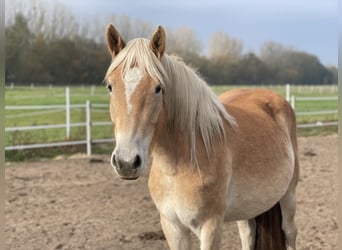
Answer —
114 161
136 162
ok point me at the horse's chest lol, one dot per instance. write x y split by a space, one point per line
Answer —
181 212
176 204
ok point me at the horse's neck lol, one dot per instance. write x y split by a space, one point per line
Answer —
172 162
171 146
171 150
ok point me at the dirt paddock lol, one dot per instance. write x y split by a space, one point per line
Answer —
80 203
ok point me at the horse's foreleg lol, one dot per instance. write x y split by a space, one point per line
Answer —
247 233
177 236
211 232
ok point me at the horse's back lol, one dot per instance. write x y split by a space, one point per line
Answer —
266 105
258 100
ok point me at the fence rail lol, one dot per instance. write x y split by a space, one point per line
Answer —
317 98
89 124
80 124
317 124
324 112
45 145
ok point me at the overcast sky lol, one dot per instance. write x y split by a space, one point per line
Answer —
308 25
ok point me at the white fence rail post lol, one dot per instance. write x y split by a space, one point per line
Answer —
88 138
287 92
293 102
67 111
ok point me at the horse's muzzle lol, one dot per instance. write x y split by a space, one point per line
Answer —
127 169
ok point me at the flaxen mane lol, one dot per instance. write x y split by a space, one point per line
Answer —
190 105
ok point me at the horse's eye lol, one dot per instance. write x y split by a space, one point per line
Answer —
158 89
109 88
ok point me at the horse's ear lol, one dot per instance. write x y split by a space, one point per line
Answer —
157 43
114 40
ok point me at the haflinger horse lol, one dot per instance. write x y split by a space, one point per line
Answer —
212 159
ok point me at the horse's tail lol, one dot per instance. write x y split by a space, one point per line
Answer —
269 234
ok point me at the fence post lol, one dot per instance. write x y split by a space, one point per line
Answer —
287 92
293 102
88 110
67 111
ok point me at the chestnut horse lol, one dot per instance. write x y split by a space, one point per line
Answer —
232 158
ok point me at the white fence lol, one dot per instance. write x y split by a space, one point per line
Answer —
317 112
292 100
89 123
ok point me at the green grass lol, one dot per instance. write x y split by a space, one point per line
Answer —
54 96
99 95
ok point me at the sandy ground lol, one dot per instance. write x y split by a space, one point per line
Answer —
81 204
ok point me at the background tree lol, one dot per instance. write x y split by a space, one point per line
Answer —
184 42
45 43
225 54
287 65
222 47
252 70
17 44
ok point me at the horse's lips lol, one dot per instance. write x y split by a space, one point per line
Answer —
129 178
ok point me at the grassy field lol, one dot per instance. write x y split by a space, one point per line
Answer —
98 95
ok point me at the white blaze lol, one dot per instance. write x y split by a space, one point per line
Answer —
132 80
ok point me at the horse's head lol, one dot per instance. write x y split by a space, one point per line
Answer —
136 98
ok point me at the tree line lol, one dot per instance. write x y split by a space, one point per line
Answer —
49 45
